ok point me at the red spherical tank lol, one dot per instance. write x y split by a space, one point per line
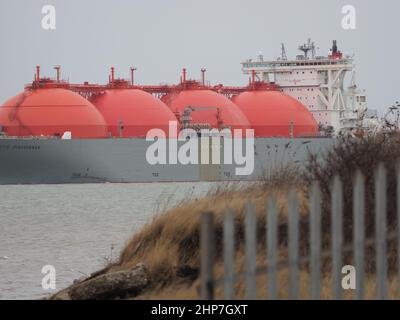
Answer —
132 113
274 114
209 108
51 112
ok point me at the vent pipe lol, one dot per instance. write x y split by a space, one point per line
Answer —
37 73
203 80
58 68
112 75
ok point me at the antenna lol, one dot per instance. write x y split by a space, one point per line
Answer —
283 52
313 50
133 69
309 46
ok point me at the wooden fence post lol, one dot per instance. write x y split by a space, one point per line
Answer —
315 241
207 256
380 227
337 237
398 228
251 251
293 253
229 255
272 249
359 232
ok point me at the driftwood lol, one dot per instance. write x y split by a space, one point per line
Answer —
113 285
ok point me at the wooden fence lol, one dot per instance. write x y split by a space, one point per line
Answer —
315 256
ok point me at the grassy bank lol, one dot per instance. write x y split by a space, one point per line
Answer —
169 245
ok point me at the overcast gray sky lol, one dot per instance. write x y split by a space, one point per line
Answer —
162 36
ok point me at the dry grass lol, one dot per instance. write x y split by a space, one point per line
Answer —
171 241
189 291
344 160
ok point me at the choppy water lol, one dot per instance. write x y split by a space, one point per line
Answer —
73 228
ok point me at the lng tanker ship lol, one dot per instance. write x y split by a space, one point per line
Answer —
58 132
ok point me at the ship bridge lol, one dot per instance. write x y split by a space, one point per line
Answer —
317 82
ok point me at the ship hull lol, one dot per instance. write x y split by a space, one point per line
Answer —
56 161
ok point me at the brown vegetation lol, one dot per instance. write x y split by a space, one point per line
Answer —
169 245
344 160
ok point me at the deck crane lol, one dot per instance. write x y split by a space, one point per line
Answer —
186 116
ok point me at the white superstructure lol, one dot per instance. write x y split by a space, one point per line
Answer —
318 82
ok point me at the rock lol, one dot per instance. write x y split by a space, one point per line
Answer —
99 272
62 295
79 280
112 285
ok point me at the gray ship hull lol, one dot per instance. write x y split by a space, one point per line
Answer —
56 161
